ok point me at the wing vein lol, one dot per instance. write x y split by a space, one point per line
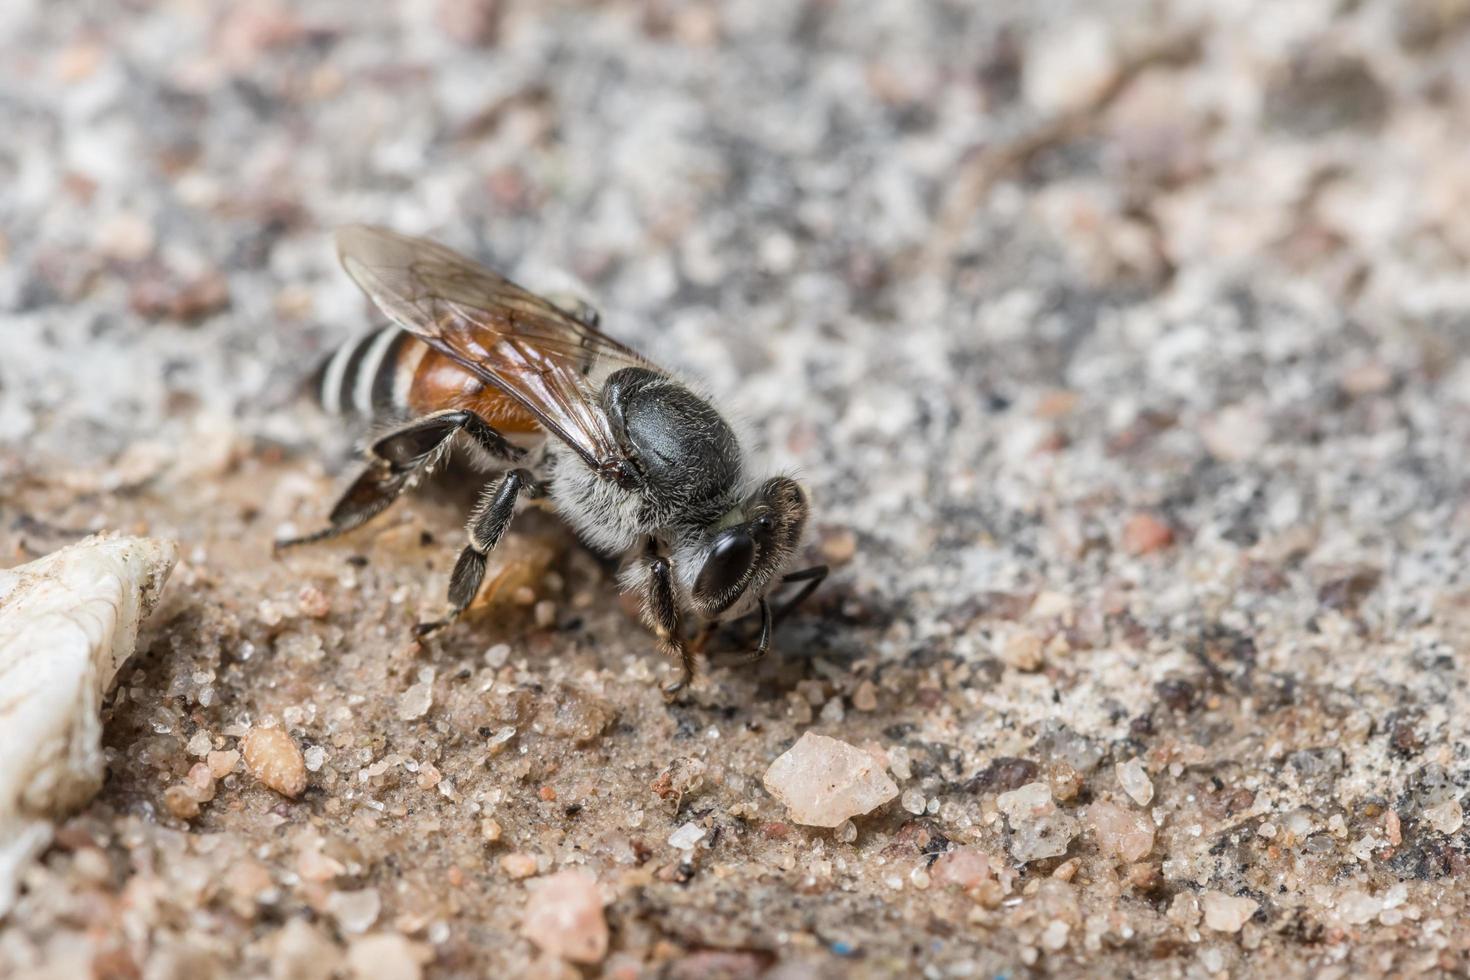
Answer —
510 338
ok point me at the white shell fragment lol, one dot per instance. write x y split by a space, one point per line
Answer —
68 621
824 781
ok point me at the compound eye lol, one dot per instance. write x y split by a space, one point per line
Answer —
729 559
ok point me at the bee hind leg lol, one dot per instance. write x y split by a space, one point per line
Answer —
369 495
486 527
396 460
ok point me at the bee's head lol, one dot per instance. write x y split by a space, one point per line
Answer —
732 565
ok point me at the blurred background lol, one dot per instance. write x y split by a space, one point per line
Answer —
770 192
1122 345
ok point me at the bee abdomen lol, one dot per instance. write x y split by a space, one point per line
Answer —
362 377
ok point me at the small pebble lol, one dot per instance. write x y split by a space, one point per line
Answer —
1236 434
313 865
1124 833
1022 650
1039 830
1054 936
355 911
1145 534
490 830
1358 907
518 865
963 867
1226 913
1184 910
415 702
223 763
913 801
313 602
865 698
687 836
303 953
1447 817
386 956
564 917
181 802
273 758
839 546
823 781
1135 782
200 744
315 756
1068 67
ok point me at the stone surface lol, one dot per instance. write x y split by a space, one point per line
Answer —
991 279
68 624
822 781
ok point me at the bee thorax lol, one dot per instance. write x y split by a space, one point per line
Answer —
607 517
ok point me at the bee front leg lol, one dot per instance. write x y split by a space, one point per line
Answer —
486 527
762 645
661 611
811 578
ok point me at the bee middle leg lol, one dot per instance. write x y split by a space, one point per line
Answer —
398 459
486 526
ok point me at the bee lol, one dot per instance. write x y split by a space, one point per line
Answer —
637 463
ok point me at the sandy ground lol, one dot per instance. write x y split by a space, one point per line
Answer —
1121 345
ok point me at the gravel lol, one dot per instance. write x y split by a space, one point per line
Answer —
1122 347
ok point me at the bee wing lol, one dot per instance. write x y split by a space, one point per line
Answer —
510 338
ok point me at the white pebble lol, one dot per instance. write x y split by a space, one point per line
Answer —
1447 817
355 911
687 836
315 757
1226 913
415 702
823 782
1135 782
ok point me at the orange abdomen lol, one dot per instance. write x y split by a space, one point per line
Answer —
439 382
